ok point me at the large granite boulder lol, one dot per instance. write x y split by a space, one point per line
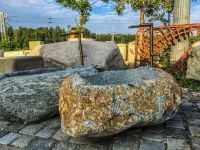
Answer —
102 55
193 64
33 95
110 102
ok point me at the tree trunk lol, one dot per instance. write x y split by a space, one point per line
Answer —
81 24
142 15
141 32
181 16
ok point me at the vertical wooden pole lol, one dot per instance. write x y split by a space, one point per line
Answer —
182 10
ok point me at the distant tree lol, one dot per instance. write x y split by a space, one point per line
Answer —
10 33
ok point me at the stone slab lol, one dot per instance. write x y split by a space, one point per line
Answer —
132 132
157 137
189 114
66 146
196 143
13 64
193 122
31 129
53 123
61 136
177 144
9 138
194 131
45 133
7 147
102 141
175 124
2 133
155 128
41 144
177 117
175 133
126 143
22 141
152 145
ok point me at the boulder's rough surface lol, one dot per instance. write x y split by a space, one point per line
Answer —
102 55
110 102
32 97
193 64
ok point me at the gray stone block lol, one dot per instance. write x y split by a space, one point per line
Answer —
61 136
45 133
196 143
13 64
66 146
41 144
125 143
22 141
31 98
3 133
10 127
175 124
193 122
155 128
194 131
194 115
157 137
175 133
152 145
53 123
7 147
9 138
31 129
177 144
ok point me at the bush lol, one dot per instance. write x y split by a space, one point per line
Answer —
8 46
193 85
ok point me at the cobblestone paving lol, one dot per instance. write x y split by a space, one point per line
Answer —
180 133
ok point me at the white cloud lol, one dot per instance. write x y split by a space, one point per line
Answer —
103 18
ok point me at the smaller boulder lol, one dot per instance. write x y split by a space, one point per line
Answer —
193 64
102 55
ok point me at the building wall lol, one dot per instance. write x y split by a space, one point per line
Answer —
16 53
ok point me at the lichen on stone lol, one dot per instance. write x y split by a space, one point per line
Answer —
107 103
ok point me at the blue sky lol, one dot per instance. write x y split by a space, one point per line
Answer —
103 19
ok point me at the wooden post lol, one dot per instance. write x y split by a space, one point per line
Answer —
181 16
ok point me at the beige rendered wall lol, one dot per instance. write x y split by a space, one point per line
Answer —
16 53
128 54
33 44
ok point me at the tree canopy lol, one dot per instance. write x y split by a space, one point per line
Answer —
150 8
83 7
